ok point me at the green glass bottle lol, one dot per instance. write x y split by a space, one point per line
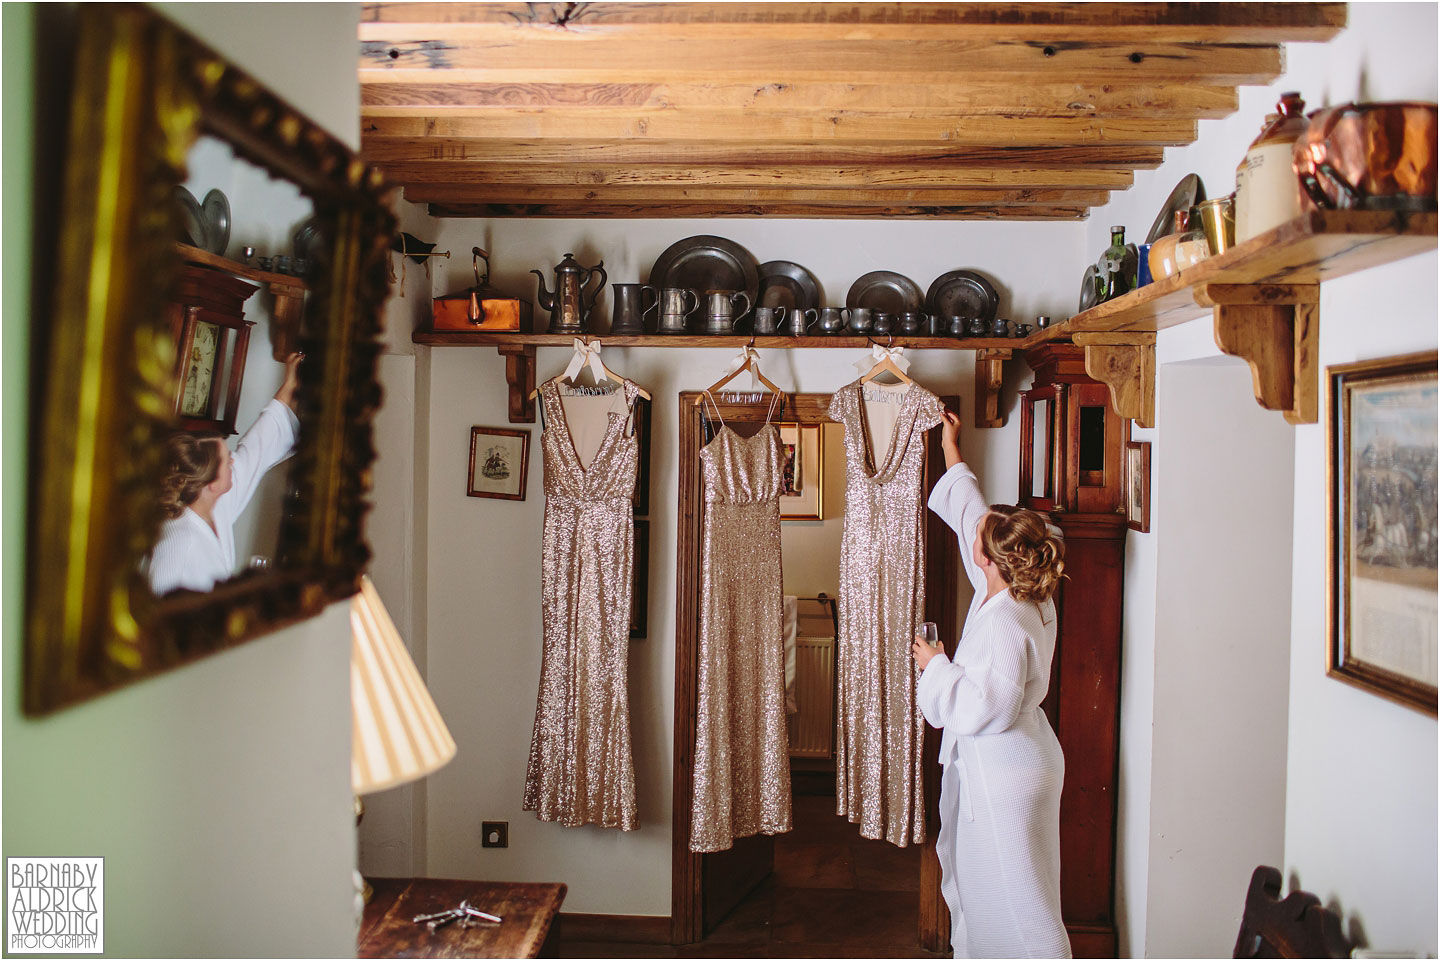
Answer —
1116 276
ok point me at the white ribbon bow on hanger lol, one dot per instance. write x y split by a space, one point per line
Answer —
878 354
746 353
586 354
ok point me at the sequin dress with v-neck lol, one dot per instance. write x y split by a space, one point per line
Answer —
882 591
580 769
741 782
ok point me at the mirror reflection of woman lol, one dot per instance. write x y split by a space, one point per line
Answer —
207 487
999 844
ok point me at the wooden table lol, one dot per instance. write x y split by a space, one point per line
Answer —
527 930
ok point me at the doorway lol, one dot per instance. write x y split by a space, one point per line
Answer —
705 888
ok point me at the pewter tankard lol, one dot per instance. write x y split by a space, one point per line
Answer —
673 309
769 319
628 314
832 320
721 314
802 319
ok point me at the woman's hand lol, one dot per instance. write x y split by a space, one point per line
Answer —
286 393
922 652
950 437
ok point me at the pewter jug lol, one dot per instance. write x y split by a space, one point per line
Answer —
957 326
673 310
912 323
768 319
861 319
720 316
882 322
628 314
567 306
800 320
977 326
832 320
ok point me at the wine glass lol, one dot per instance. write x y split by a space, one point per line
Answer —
930 631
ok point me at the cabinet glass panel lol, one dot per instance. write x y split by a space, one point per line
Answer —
1092 445
1040 450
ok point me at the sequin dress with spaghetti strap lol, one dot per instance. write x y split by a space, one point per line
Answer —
742 765
882 591
581 770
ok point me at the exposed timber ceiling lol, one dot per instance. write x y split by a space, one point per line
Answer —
1000 111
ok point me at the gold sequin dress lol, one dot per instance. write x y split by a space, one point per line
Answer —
581 770
742 763
880 730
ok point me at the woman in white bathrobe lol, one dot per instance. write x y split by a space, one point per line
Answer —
999 844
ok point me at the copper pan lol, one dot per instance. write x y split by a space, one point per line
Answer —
1369 156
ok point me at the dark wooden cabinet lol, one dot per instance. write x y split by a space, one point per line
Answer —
207 318
1071 466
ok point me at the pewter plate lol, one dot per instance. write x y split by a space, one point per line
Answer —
216 209
1187 193
788 285
886 291
192 219
1090 288
962 293
704 263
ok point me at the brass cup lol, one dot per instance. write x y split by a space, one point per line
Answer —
1217 219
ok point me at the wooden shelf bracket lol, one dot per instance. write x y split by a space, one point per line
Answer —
520 380
1275 328
1124 361
989 374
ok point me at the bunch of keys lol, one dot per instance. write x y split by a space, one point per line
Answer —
464 913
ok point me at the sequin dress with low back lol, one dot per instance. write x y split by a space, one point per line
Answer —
581 770
882 590
742 762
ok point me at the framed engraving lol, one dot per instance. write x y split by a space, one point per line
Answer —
1381 421
1137 485
499 462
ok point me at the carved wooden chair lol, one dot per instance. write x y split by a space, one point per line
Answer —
1297 927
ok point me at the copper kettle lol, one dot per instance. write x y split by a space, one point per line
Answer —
1369 156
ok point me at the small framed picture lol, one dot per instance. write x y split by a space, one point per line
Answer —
802 490
640 575
499 461
1137 485
1381 421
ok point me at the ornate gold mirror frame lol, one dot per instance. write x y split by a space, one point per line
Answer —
143 92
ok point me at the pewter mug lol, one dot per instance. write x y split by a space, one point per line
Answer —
768 319
628 314
1022 330
957 326
1001 327
882 322
939 326
799 318
977 327
721 315
912 322
673 309
832 320
861 319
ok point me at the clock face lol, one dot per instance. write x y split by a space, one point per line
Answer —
200 371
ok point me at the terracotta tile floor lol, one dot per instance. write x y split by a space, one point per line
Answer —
832 894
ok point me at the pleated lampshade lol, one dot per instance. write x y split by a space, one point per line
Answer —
398 733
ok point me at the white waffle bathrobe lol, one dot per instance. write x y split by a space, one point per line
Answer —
999 843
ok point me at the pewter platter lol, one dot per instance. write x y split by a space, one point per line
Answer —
216 209
788 285
962 293
704 263
1187 193
885 290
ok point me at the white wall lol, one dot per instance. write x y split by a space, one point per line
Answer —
483 556
1360 777
219 793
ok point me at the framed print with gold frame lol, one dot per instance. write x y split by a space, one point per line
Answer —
1381 424
144 96
802 494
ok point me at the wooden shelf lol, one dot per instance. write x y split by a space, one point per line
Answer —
1263 296
472 338
287 289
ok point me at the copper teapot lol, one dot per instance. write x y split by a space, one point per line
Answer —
1369 156
568 306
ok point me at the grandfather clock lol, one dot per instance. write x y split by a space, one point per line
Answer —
1071 461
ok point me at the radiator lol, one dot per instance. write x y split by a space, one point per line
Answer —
812 728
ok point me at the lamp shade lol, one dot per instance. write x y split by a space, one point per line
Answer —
398 733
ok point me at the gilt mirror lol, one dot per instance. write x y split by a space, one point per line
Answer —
201 438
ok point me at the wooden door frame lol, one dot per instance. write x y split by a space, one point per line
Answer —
942 565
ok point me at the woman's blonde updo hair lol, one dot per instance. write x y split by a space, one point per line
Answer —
193 461
1028 555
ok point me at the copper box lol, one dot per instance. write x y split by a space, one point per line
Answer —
453 313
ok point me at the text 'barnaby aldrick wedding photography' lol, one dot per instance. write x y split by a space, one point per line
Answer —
55 905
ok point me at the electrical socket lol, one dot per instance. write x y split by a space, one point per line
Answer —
494 834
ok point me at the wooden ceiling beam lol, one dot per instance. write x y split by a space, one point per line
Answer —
741 125
1210 22
569 56
791 211
794 175
377 149
1063 100
457 194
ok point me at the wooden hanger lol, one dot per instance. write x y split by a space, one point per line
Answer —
751 363
885 365
609 375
